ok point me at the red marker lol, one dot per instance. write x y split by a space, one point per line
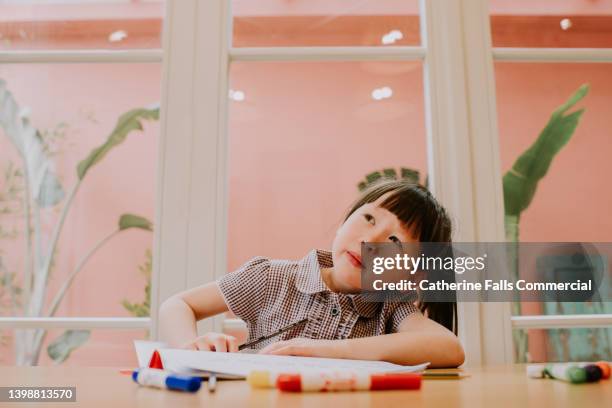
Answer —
605 369
348 381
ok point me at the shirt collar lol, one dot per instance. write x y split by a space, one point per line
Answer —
309 281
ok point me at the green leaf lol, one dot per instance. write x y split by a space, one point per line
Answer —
60 348
127 122
136 309
390 173
373 177
410 174
574 99
45 187
521 181
142 309
134 221
50 192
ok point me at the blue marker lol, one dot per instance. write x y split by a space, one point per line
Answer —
153 377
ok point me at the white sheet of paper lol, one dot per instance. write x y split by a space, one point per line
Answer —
241 364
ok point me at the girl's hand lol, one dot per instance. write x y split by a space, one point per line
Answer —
214 342
307 348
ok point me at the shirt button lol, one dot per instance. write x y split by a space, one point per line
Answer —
335 311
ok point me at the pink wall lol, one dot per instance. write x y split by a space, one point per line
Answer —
293 173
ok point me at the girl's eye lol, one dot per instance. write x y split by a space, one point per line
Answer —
395 240
369 218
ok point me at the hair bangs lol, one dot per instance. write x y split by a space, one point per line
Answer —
409 210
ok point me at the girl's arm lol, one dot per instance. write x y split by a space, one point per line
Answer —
178 314
419 340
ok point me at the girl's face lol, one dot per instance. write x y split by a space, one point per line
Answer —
369 223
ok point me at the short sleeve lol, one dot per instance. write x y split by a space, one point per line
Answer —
400 312
244 290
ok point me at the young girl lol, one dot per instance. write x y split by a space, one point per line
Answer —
323 288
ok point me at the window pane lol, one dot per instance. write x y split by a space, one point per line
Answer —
551 23
301 138
85 24
277 23
563 345
75 108
571 201
97 348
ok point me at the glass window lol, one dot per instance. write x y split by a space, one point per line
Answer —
571 201
105 238
83 24
301 138
278 23
562 345
551 23
72 123
94 348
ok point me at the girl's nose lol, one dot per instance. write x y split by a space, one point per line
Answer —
372 250
375 237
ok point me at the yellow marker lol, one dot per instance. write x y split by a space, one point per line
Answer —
262 379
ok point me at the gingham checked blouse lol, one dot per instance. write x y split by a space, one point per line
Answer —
271 294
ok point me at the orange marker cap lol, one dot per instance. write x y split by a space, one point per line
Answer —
605 369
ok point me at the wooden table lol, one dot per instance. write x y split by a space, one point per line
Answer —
503 386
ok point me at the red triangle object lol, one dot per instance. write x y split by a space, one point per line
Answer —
156 361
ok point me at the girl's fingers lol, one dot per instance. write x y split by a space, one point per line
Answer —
220 344
232 344
213 342
203 346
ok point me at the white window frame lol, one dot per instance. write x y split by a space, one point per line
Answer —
130 56
191 201
461 134
451 126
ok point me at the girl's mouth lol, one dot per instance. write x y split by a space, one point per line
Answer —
354 259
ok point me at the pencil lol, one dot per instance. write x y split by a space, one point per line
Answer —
269 336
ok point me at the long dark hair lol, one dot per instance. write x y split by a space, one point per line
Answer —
418 210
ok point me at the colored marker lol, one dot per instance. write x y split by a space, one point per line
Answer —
153 377
347 381
587 372
262 379
212 382
603 366
606 370
536 371
567 372
593 373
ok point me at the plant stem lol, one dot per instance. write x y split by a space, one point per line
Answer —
512 236
19 333
37 236
9 285
68 282
40 284
59 296
29 261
